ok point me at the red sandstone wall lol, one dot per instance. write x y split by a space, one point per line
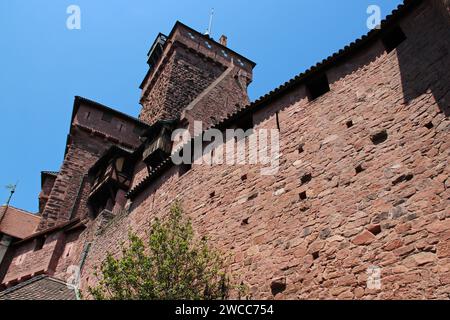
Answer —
47 186
28 261
221 98
91 135
394 214
118 128
184 77
67 185
69 256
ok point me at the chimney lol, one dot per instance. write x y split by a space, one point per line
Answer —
223 40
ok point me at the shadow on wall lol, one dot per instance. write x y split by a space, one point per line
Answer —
424 59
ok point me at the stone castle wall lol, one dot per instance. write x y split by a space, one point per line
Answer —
363 182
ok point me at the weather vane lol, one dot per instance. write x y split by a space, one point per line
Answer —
12 189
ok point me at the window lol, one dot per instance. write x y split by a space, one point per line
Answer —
306 178
317 87
379 137
359 169
88 115
393 38
107 117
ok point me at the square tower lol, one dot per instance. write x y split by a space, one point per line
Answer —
187 66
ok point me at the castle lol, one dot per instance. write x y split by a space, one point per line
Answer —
362 187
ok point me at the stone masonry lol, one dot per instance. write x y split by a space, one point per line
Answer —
362 189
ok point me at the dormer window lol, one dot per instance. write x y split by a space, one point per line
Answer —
317 87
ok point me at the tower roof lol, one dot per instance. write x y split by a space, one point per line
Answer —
197 41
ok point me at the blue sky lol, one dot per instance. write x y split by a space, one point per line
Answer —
43 65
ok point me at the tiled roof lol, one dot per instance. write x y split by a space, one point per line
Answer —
344 53
40 288
18 223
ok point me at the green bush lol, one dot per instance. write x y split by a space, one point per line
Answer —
172 264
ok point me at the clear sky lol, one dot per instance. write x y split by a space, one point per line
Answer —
43 64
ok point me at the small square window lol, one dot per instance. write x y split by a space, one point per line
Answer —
301 148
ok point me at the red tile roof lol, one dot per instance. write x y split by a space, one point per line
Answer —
18 223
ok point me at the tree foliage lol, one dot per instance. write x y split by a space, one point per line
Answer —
171 264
